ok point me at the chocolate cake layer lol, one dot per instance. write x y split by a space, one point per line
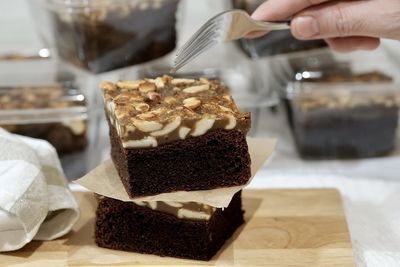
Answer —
131 227
219 158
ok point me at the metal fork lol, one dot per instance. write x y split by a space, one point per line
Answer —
226 26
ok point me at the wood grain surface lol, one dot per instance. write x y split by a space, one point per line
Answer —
283 228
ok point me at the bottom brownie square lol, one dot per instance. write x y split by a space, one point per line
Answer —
184 230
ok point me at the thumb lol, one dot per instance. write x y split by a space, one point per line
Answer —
373 18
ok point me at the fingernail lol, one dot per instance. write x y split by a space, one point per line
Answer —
306 26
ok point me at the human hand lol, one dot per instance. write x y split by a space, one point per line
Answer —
345 25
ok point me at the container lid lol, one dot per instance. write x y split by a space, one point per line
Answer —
86 6
41 104
338 79
343 95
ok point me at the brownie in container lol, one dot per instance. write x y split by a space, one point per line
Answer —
104 35
56 113
169 134
185 230
344 120
275 42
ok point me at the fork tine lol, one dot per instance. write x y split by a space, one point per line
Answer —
199 41
209 26
193 54
199 44
211 21
183 63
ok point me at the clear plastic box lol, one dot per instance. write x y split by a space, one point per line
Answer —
344 111
275 42
103 35
56 113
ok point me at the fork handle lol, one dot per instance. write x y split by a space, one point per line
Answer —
271 26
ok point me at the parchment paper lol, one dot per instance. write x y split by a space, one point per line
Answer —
104 180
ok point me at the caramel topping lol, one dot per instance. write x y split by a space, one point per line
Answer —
182 210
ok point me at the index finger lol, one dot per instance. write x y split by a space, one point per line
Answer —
276 10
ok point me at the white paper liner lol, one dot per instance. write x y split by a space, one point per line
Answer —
104 180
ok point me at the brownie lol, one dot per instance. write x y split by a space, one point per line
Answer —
176 134
275 42
114 34
343 76
53 113
332 124
349 133
184 230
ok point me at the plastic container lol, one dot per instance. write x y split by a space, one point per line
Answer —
104 35
275 42
340 114
56 113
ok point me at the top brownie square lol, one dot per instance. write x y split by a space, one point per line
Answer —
152 112
176 134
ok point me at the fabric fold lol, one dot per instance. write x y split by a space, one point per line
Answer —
35 202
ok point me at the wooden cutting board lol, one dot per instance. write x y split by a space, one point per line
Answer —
283 228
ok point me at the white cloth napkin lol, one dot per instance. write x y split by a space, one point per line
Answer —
35 201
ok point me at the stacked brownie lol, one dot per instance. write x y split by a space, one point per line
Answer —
171 135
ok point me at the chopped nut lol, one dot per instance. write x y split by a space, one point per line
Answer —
226 109
30 97
202 126
148 141
122 98
183 132
78 127
135 98
177 89
130 128
227 98
231 122
192 103
210 108
124 120
147 126
182 81
204 80
5 99
147 87
170 127
108 86
196 89
189 111
146 116
120 113
129 84
174 204
142 107
170 100
153 96
160 111
159 83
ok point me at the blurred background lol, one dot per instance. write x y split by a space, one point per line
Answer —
331 113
